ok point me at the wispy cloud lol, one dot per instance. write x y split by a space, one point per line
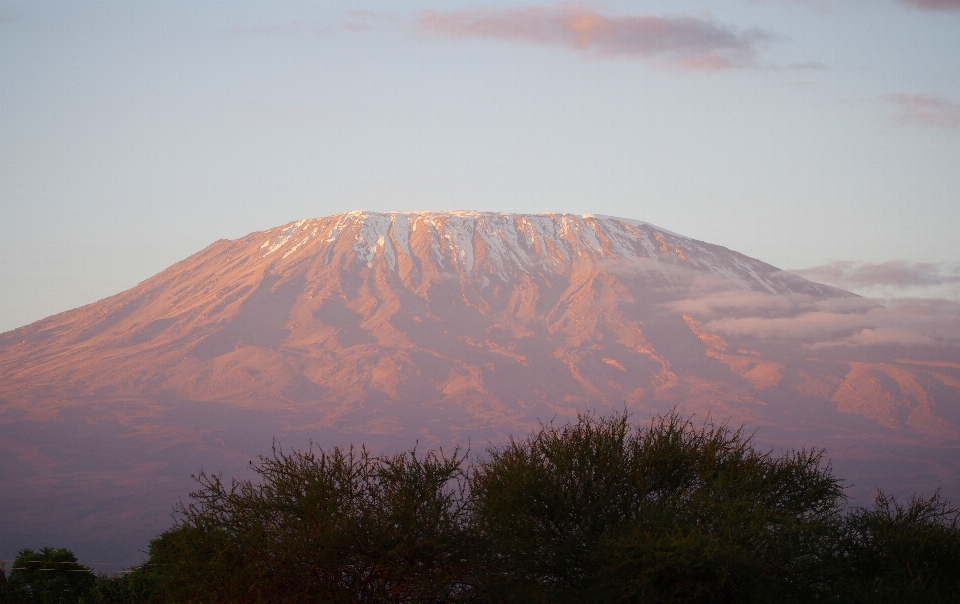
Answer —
890 281
895 273
824 324
816 323
924 110
934 5
689 42
908 322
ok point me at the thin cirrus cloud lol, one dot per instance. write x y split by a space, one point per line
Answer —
925 110
688 42
934 5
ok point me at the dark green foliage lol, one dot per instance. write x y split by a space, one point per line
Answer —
903 554
323 527
3 583
48 576
136 586
54 575
598 511
601 511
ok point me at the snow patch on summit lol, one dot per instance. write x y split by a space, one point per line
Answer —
282 238
495 245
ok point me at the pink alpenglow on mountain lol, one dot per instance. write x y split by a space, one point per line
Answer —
445 328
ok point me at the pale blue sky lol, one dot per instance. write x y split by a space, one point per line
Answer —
133 134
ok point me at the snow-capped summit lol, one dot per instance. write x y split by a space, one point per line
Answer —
494 245
442 328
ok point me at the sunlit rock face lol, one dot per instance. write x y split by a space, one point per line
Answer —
472 318
455 327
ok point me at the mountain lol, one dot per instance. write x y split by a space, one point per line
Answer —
444 328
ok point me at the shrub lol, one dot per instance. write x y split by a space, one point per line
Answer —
903 554
604 511
600 510
335 526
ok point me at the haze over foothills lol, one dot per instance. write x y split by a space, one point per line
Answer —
802 133
209 159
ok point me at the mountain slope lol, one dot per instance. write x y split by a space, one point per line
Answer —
449 327
422 290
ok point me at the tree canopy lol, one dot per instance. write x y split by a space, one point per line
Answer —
48 576
599 510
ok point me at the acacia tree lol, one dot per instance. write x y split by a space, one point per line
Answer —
605 511
337 526
902 553
600 510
